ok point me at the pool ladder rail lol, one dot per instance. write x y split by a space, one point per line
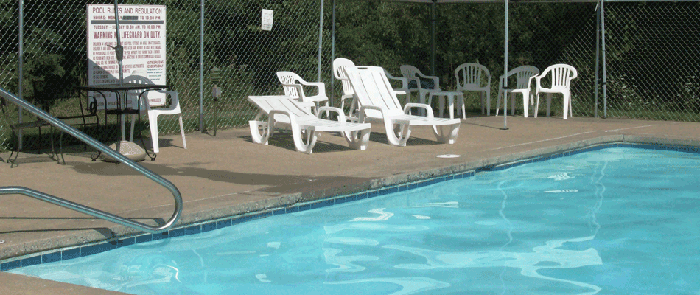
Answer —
106 150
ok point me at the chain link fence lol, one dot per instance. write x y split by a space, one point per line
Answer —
652 52
248 57
653 60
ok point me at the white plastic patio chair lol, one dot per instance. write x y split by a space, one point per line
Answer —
287 112
154 104
339 65
470 77
560 76
523 86
377 101
403 90
423 84
294 87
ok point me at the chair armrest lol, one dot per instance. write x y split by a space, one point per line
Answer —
174 100
502 81
320 85
404 83
321 88
341 115
435 79
538 78
529 81
363 109
428 109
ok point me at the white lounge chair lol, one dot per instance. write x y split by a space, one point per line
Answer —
287 112
377 101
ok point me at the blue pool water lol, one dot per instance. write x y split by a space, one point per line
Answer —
617 220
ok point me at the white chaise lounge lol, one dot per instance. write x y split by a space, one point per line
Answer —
377 102
287 112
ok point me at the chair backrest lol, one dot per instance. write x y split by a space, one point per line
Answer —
561 75
155 99
469 76
522 76
372 88
290 78
339 65
409 71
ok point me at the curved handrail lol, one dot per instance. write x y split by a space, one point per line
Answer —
102 148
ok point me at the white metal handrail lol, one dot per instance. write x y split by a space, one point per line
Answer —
104 149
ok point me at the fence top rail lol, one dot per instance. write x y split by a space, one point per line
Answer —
531 1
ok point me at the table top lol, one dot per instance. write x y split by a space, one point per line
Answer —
124 86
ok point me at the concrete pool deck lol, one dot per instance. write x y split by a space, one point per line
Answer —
228 175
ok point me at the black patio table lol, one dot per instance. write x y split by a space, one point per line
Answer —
126 148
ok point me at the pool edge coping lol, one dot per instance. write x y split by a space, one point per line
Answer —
39 252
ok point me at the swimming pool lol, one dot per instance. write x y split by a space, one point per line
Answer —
617 220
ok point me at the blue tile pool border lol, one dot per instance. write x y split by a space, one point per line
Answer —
210 225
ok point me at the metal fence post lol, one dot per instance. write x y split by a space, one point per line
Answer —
605 78
597 58
201 67
320 42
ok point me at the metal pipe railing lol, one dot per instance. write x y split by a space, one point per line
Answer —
104 149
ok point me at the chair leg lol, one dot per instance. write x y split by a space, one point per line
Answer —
512 103
404 131
566 106
525 102
446 133
311 137
488 102
131 132
498 101
441 105
182 132
481 101
358 139
461 102
153 122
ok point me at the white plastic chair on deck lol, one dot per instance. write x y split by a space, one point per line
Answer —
561 76
294 87
418 82
339 65
154 104
470 77
523 85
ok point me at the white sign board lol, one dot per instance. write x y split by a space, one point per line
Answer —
267 20
142 35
